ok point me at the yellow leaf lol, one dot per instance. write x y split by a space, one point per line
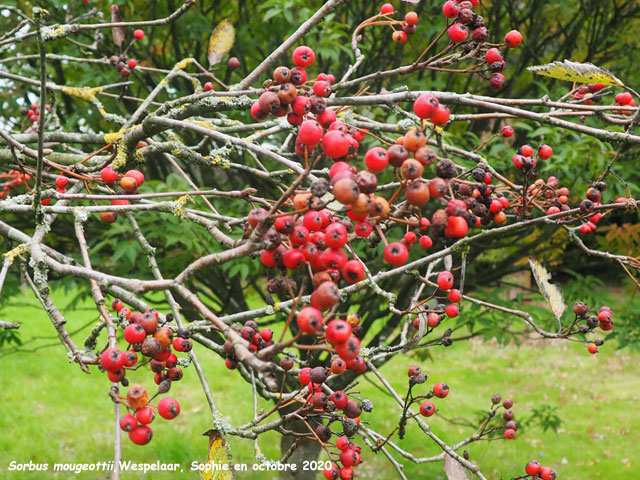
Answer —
551 292
577 72
218 456
220 42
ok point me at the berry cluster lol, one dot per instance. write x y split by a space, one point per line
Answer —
137 423
604 320
524 159
289 93
407 26
349 457
129 183
11 180
123 64
33 113
467 21
537 472
594 197
257 341
144 335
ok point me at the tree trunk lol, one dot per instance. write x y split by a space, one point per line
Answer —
306 450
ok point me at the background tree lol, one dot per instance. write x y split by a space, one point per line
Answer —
189 136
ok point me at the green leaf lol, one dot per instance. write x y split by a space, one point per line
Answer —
577 72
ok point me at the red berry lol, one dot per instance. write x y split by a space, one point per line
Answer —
363 229
257 113
145 415
353 271
454 295
341 400
116 376
128 422
425 242
182 344
293 259
342 443
445 280
545 152
427 408
349 349
433 320
209 86
348 458
346 473
546 473
593 348
138 34
141 434
410 238
332 472
492 56
441 390
526 150
399 36
108 174
425 106
533 468
623 98
451 9
457 227
507 131
396 254
338 331
513 38
509 434
303 56
134 333
386 9
133 63
496 81
112 360
326 118
322 88
376 159
452 310
309 320
458 32
441 116
168 408
411 18
62 181
335 144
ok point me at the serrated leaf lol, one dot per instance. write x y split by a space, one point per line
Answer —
220 42
577 72
552 293
453 469
218 455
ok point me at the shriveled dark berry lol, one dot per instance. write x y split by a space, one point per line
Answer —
445 168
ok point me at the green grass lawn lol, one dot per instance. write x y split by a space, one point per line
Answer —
55 413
